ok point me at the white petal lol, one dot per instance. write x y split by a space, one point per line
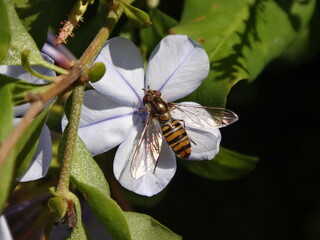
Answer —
124 78
41 160
103 124
177 67
155 180
205 141
20 110
5 233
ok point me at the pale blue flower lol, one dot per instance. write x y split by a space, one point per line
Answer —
112 116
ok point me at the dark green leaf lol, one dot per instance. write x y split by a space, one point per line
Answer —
145 227
241 38
305 46
35 16
20 88
227 165
6 171
20 41
4 30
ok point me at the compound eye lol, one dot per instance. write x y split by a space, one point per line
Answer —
157 93
147 99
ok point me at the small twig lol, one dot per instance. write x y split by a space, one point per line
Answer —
35 108
13 138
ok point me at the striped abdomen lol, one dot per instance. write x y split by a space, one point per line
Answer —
177 138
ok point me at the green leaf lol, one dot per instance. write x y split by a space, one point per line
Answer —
27 144
6 116
305 46
241 38
35 17
161 23
20 88
227 165
4 30
90 180
21 41
84 168
145 227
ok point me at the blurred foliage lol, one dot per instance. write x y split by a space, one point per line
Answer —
4 30
6 171
20 41
227 165
35 16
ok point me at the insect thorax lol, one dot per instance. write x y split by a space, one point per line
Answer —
159 109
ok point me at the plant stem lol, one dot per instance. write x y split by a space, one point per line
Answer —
102 36
71 137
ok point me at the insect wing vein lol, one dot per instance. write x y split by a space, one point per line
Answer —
198 116
148 149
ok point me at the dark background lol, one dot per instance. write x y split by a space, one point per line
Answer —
280 199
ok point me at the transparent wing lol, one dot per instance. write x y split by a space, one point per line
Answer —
147 152
195 115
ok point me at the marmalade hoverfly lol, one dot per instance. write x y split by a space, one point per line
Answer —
160 124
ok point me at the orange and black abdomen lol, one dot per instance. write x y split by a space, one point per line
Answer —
177 138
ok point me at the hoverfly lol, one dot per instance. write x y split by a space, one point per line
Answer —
160 124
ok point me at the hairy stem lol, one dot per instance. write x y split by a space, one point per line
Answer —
71 137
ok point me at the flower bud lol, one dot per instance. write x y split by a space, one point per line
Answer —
138 17
96 72
152 4
59 206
